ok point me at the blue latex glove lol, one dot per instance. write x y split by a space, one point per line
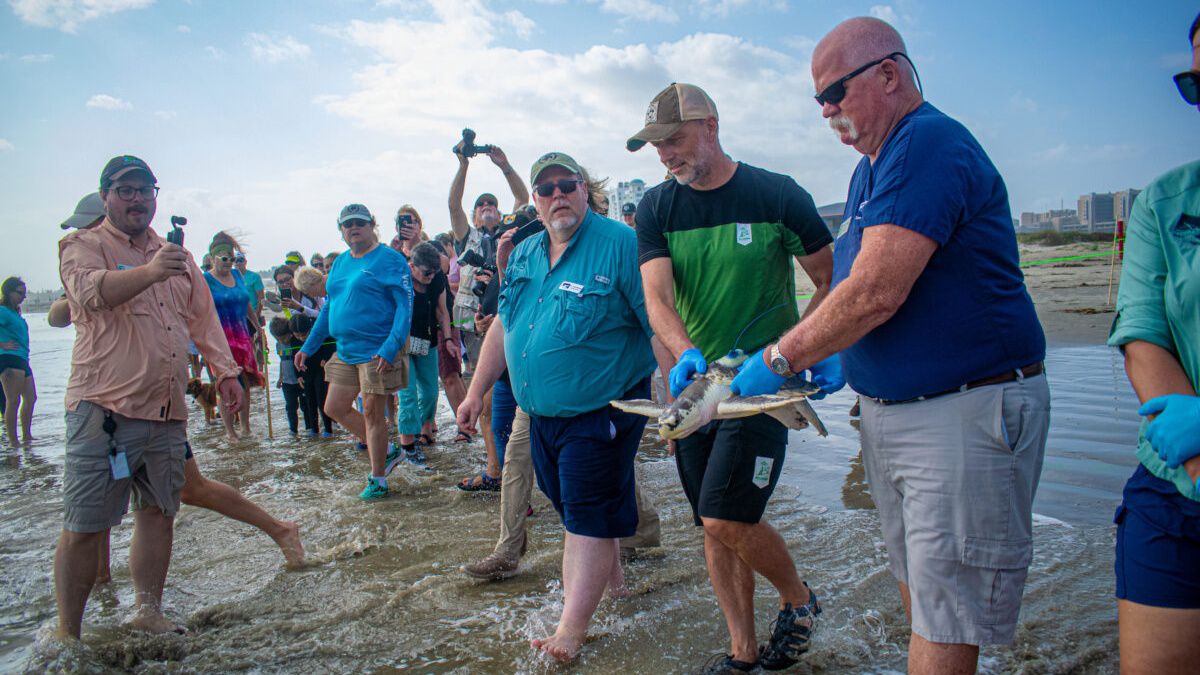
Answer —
1175 433
755 378
690 361
828 376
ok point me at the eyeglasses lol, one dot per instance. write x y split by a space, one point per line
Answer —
356 222
318 266
564 185
835 92
126 192
239 259
223 258
486 202
1188 83
424 271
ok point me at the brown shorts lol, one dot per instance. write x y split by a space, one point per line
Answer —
450 356
92 499
365 378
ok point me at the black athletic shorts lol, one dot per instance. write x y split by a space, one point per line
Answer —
16 363
729 468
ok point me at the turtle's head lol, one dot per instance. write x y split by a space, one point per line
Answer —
669 420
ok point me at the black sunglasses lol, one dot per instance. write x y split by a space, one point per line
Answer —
486 202
565 185
835 92
1188 83
355 222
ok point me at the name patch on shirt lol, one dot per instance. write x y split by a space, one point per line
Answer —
745 235
601 279
571 287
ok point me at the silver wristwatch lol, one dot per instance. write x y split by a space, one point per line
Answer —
779 363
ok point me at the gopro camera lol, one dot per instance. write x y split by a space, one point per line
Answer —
175 236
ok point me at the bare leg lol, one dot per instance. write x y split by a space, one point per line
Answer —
938 658
374 410
244 411
149 558
1158 639
28 398
227 420
103 571
74 575
13 381
587 570
616 578
227 501
339 404
489 439
456 391
733 582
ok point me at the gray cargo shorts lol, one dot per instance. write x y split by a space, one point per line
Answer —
953 478
92 499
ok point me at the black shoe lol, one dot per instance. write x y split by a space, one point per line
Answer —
725 664
790 634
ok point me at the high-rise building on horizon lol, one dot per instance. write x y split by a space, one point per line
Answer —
1096 211
626 192
1123 203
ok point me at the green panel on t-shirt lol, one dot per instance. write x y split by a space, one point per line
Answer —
733 280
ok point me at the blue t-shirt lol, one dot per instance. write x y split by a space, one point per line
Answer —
369 307
254 284
13 328
576 335
968 316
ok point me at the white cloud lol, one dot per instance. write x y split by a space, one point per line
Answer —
215 53
641 10
183 28
801 43
723 8
886 13
106 102
66 15
272 49
165 115
36 58
5 145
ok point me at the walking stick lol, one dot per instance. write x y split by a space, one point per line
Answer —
1112 264
267 383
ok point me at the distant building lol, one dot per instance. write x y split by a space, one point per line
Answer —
1123 203
627 192
1096 211
1060 220
832 215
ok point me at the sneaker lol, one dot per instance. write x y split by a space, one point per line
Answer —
312 432
725 664
415 456
492 568
790 634
325 434
373 491
395 456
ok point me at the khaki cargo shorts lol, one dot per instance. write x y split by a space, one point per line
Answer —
92 499
953 479
365 378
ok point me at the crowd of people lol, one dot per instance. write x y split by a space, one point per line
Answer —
555 310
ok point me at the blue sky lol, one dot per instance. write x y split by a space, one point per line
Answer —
266 117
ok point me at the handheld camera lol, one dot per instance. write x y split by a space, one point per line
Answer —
469 149
175 236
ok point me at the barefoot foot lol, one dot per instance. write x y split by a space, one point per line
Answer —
288 540
152 621
563 647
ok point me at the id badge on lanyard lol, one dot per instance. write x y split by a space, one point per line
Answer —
118 463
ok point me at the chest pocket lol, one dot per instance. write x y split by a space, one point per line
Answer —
516 282
580 315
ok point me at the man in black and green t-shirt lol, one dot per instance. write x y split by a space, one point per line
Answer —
715 244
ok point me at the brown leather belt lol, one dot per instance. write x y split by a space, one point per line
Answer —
1031 370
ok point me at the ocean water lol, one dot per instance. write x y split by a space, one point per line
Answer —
383 592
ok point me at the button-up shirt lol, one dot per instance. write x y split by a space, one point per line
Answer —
132 358
576 333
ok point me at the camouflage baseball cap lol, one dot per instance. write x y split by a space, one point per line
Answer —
673 106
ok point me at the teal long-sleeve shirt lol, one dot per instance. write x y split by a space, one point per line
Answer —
369 307
1159 297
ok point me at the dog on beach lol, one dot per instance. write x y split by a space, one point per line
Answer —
206 395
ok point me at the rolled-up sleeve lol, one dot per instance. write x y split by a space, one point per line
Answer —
205 328
82 270
1141 309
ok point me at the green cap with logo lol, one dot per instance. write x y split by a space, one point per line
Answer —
673 106
553 159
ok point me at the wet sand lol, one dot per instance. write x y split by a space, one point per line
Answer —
383 591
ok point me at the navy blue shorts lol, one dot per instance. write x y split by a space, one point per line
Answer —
1158 544
584 464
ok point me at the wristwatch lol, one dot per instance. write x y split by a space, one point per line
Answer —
778 362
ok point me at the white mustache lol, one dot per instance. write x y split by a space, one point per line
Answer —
843 124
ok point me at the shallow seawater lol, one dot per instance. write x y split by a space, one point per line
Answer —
383 591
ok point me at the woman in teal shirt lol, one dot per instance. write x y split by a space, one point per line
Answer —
1158 328
16 376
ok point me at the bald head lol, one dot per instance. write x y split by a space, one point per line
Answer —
856 41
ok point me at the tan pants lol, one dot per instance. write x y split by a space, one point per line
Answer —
517 488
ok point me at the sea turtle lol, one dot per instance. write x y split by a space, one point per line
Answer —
708 398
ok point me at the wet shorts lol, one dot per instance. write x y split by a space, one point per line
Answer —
92 499
584 464
729 468
365 378
1158 544
450 356
16 363
953 480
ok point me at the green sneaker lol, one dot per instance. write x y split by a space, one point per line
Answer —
373 491
395 456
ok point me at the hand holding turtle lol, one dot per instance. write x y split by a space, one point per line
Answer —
690 361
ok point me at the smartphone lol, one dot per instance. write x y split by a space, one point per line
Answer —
285 294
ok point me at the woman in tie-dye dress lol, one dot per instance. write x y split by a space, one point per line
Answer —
232 300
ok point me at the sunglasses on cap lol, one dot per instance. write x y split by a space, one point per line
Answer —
1188 83
564 185
835 92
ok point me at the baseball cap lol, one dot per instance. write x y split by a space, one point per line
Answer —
486 195
295 259
354 212
87 211
554 159
673 106
628 207
121 165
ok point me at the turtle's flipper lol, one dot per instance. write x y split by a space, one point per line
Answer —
805 409
640 406
745 406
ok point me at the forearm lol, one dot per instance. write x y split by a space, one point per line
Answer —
519 191
118 287
815 301
839 320
401 324
458 217
491 360
668 326
443 317
59 315
664 359
319 332
1154 371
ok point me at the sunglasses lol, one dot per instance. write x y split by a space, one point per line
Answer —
1188 83
835 92
564 185
223 258
486 202
356 222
